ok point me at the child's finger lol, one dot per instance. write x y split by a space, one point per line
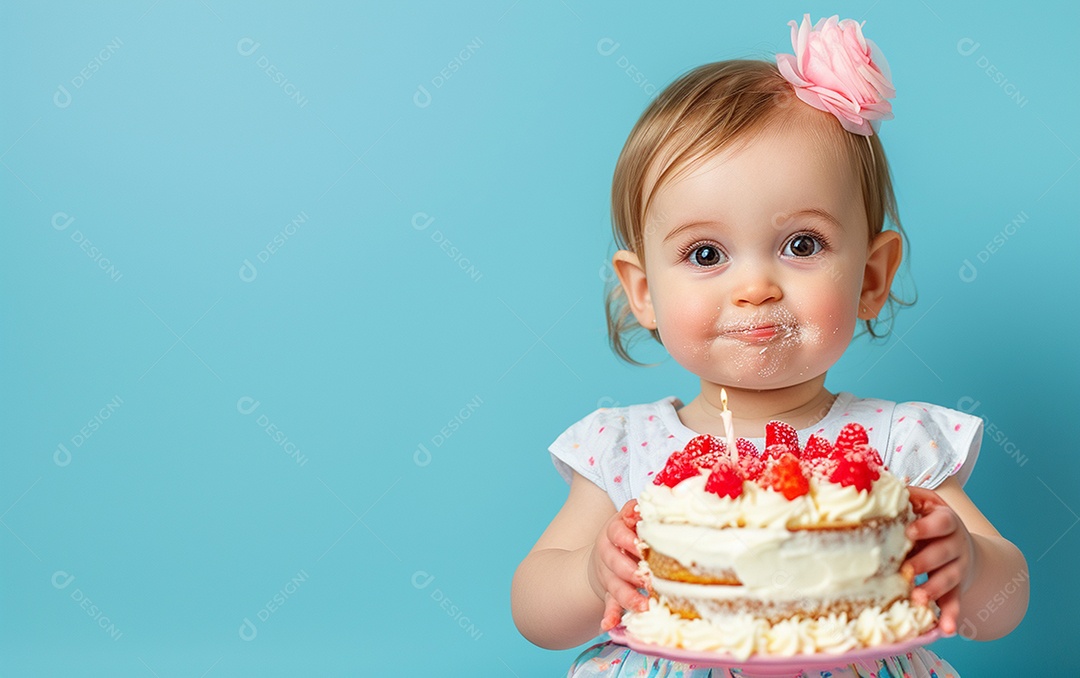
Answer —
622 566
923 500
933 555
622 536
627 596
612 613
950 610
943 581
932 525
629 514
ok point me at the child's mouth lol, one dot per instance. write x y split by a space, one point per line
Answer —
758 334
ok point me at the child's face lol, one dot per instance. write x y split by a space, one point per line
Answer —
754 263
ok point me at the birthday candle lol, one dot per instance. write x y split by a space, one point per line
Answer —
729 428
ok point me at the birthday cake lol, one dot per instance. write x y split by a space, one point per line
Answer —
795 550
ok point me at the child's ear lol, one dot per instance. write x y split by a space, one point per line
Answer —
882 262
628 266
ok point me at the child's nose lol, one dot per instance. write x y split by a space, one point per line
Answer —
756 287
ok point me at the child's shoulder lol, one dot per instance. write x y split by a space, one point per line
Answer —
922 441
912 411
618 447
621 419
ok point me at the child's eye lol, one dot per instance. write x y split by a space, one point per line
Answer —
803 245
707 256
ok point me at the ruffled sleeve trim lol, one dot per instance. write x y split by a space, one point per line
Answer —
598 446
928 443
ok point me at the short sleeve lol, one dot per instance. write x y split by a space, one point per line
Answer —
928 443
591 447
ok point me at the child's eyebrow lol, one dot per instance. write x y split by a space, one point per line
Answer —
817 212
687 226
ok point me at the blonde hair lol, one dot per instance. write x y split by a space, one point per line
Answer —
705 111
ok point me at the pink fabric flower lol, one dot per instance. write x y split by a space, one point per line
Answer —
835 69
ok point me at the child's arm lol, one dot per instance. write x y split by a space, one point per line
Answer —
978 578
580 573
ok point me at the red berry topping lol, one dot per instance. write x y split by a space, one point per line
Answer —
819 467
725 480
779 433
869 455
785 475
851 435
817 448
703 445
746 448
854 471
675 471
752 466
700 454
778 450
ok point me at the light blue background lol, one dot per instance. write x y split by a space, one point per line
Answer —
361 339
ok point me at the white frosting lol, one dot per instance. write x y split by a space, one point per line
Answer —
872 627
882 589
790 637
764 507
688 502
827 503
742 635
834 634
777 562
844 504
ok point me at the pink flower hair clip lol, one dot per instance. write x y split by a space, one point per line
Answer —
835 69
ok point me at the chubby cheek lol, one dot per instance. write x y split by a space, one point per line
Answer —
687 324
827 323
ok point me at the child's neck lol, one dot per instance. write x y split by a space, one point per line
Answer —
801 406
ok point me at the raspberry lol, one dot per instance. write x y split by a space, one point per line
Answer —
818 467
851 435
703 445
700 454
778 450
854 471
785 475
779 433
725 480
751 466
817 447
675 471
869 455
746 448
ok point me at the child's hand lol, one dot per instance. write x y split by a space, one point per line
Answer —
944 550
613 567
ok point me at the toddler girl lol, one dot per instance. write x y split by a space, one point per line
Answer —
750 204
